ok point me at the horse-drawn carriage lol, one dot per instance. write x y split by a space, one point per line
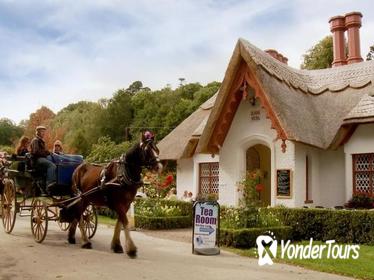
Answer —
114 186
20 189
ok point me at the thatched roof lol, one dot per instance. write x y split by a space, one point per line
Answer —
310 105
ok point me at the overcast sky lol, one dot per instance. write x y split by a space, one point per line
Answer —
57 52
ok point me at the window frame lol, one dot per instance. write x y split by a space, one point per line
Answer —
210 176
370 171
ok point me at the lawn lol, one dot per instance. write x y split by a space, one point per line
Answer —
362 268
106 220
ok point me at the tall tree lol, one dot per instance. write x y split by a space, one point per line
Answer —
320 56
42 116
370 55
76 126
117 117
9 132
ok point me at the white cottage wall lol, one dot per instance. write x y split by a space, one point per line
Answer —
250 127
362 141
185 175
326 176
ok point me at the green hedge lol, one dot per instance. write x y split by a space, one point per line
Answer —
186 207
246 237
163 222
344 226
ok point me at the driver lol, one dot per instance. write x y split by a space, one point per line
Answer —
39 154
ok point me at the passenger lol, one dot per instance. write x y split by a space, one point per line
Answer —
23 146
39 154
21 150
57 148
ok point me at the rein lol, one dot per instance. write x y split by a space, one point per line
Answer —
123 173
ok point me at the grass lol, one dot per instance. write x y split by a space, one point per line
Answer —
362 268
106 220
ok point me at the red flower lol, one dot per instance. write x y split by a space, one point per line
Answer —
168 180
259 187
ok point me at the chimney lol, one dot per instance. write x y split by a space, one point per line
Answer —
353 24
277 56
337 27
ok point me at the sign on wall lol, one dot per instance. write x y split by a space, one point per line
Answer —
284 183
255 115
206 228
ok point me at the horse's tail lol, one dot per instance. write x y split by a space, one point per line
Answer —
77 177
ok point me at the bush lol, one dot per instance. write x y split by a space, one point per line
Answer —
248 217
163 222
142 204
355 226
360 201
105 150
158 213
246 237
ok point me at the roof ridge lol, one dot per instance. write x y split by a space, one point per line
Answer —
357 75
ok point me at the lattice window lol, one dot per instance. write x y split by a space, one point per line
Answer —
209 177
363 174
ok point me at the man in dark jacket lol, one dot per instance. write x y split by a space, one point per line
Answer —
39 154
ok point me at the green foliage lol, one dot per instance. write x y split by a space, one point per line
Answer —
246 237
9 132
163 222
106 150
370 54
120 118
76 126
8 149
344 226
162 213
163 110
247 187
319 56
238 218
117 117
158 213
184 207
360 201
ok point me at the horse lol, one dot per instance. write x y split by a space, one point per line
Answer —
118 182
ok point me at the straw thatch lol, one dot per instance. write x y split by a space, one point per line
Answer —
311 105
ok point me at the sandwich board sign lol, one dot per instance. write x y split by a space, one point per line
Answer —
205 228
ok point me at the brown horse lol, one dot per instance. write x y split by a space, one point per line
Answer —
119 182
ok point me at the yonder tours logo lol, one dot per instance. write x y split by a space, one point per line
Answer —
267 250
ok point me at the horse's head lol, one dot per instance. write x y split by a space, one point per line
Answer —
150 152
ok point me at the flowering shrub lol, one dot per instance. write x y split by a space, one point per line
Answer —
156 186
250 188
159 210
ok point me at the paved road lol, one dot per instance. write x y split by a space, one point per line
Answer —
22 258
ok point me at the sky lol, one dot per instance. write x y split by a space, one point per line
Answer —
54 53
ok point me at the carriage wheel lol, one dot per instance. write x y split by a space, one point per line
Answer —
9 205
39 220
89 217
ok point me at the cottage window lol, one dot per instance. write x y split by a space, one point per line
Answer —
209 178
308 191
363 174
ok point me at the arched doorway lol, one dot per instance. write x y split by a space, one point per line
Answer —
259 157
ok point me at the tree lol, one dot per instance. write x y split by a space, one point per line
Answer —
320 56
370 55
9 132
76 126
42 116
135 87
117 117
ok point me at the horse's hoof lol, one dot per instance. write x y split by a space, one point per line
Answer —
71 240
117 249
131 253
87 245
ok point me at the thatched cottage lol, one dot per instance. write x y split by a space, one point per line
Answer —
310 132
